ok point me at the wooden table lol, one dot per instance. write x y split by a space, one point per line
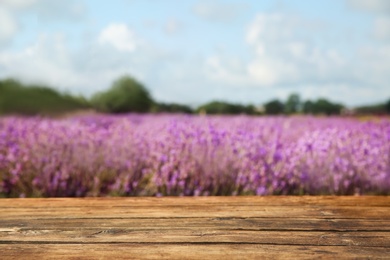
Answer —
195 228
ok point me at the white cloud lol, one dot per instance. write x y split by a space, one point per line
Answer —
218 10
51 60
279 55
172 27
70 10
382 28
286 58
285 53
51 65
373 66
381 11
377 6
45 10
268 72
220 69
119 36
8 26
18 4
269 26
49 10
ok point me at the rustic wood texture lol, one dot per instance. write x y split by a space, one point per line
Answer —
196 228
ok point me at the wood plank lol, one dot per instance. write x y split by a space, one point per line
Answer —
358 201
200 211
186 251
259 224
192 228
197 235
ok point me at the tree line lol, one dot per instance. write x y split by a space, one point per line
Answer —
21 99
126 94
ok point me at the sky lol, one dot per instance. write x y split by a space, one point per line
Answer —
196 51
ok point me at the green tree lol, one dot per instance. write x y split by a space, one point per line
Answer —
125 95
293 104
387 106
323 106
274 107
17 98
171 108
376 109
220 107
308 107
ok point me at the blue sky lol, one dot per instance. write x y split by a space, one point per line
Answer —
195 51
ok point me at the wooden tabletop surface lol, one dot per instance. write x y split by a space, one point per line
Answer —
196 228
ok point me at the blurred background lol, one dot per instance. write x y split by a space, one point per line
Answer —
194 56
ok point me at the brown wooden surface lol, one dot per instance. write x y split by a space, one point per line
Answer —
196 228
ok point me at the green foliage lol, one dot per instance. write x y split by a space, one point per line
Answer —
219 107
171 108
274 107
322 106
377 109
128 95
16 98
387 106
125 95
374 109
307 107
293 104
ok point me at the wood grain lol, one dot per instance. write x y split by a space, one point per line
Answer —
196 228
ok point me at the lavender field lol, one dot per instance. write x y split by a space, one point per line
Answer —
160 155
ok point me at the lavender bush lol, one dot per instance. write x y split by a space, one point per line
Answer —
162 155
